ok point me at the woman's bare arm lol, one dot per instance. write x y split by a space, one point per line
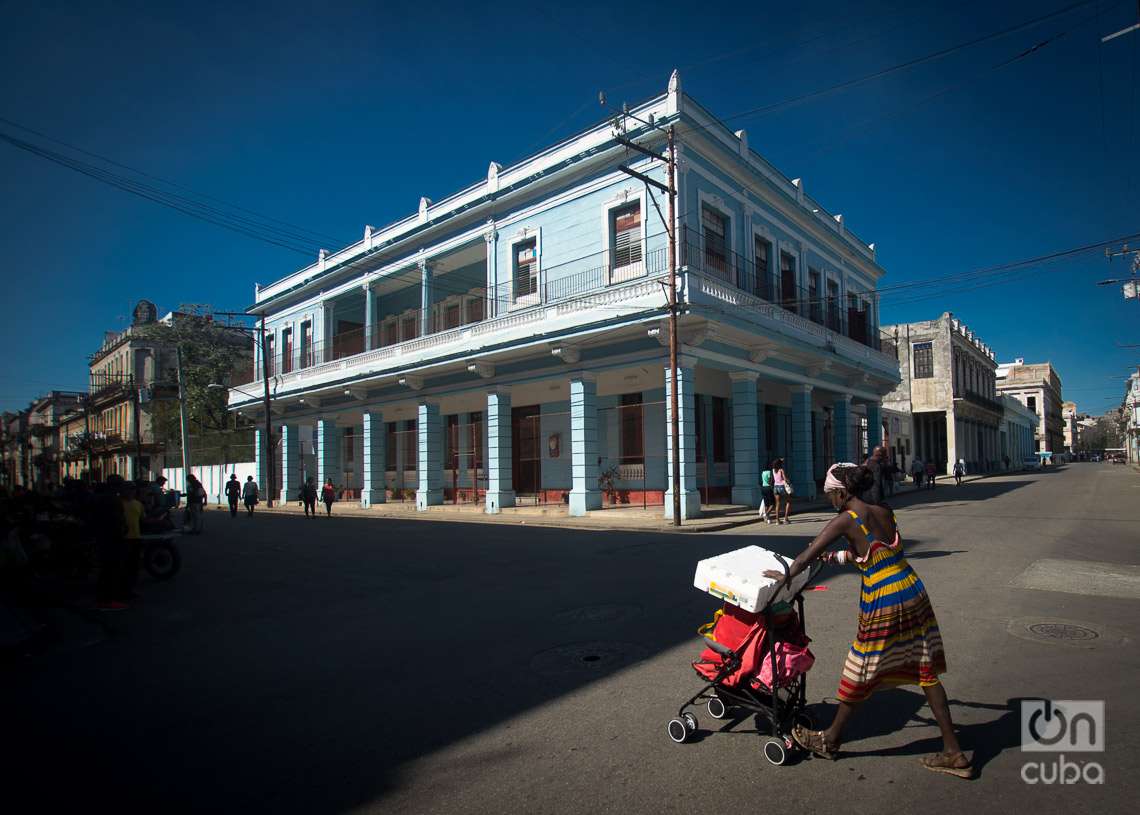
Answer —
835 529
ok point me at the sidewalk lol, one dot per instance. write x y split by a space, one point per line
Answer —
714 517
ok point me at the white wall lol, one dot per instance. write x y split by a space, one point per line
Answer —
213 478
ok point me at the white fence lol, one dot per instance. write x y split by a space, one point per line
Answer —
213 478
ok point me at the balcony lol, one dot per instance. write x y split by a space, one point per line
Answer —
508 312
736 270
983 402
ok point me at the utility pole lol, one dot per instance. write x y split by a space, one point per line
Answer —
670 189
674 402
182 416
270 475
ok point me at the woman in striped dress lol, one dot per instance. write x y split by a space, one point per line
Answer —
898 642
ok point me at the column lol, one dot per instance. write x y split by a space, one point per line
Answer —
401 441
500 492
584 492
429 462
261 461
375 490
802 453
745 439
841 429
425 298
327 458
874 426
464 451
290 462
951 439
369 317
687 455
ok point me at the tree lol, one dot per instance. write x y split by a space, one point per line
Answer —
211 352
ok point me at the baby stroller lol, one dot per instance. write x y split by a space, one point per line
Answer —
756 662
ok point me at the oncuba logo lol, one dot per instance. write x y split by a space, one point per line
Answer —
1058 727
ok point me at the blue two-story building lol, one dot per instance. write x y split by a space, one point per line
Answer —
509 343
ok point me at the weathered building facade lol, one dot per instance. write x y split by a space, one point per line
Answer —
1038 387
510 340
948 390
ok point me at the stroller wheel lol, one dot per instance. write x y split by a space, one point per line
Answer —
775 752
678 731
690 722
716 707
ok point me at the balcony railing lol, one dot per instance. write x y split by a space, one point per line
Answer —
550 286
730 267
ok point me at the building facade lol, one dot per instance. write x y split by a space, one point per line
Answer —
1038 387
31 450
509 342
118 435
1070 426
1019 424
948 390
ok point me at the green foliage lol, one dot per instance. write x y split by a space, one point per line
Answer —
210 353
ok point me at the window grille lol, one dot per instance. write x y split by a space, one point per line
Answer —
923 353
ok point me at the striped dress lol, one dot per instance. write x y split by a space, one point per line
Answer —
898 641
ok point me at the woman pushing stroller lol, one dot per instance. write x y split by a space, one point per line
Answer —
898 640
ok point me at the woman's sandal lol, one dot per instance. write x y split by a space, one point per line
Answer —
955 764
815 742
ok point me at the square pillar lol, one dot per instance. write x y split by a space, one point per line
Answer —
374 490
841 430
369 317
290 462
328 460
400 442
584 493
500 493
429 462
687 455
261 462
745 439
802 449
425 298
874 426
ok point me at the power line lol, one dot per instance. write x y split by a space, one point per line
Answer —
168 182
902 66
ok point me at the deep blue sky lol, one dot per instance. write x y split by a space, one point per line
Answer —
333 116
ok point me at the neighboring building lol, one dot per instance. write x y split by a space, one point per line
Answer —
897 434
1069 419
510 340
119 422
73 443
17 468
1019 424
1132 417
44 417
947 389
1038 387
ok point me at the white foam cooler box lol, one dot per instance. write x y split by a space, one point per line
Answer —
737 577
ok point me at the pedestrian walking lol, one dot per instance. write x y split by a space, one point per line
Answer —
233 494
875 463
249 494
898 641
917 472
195 504
959 471
309 497
767 494
783 489
328 495
931 473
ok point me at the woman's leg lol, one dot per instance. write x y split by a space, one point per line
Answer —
834 733
778 497
936 698
787 509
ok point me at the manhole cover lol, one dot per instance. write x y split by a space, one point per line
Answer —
601 613
1063 631
586 658
1058 631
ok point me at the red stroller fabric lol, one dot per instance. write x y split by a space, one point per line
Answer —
743 632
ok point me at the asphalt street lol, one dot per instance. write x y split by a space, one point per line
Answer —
397 665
